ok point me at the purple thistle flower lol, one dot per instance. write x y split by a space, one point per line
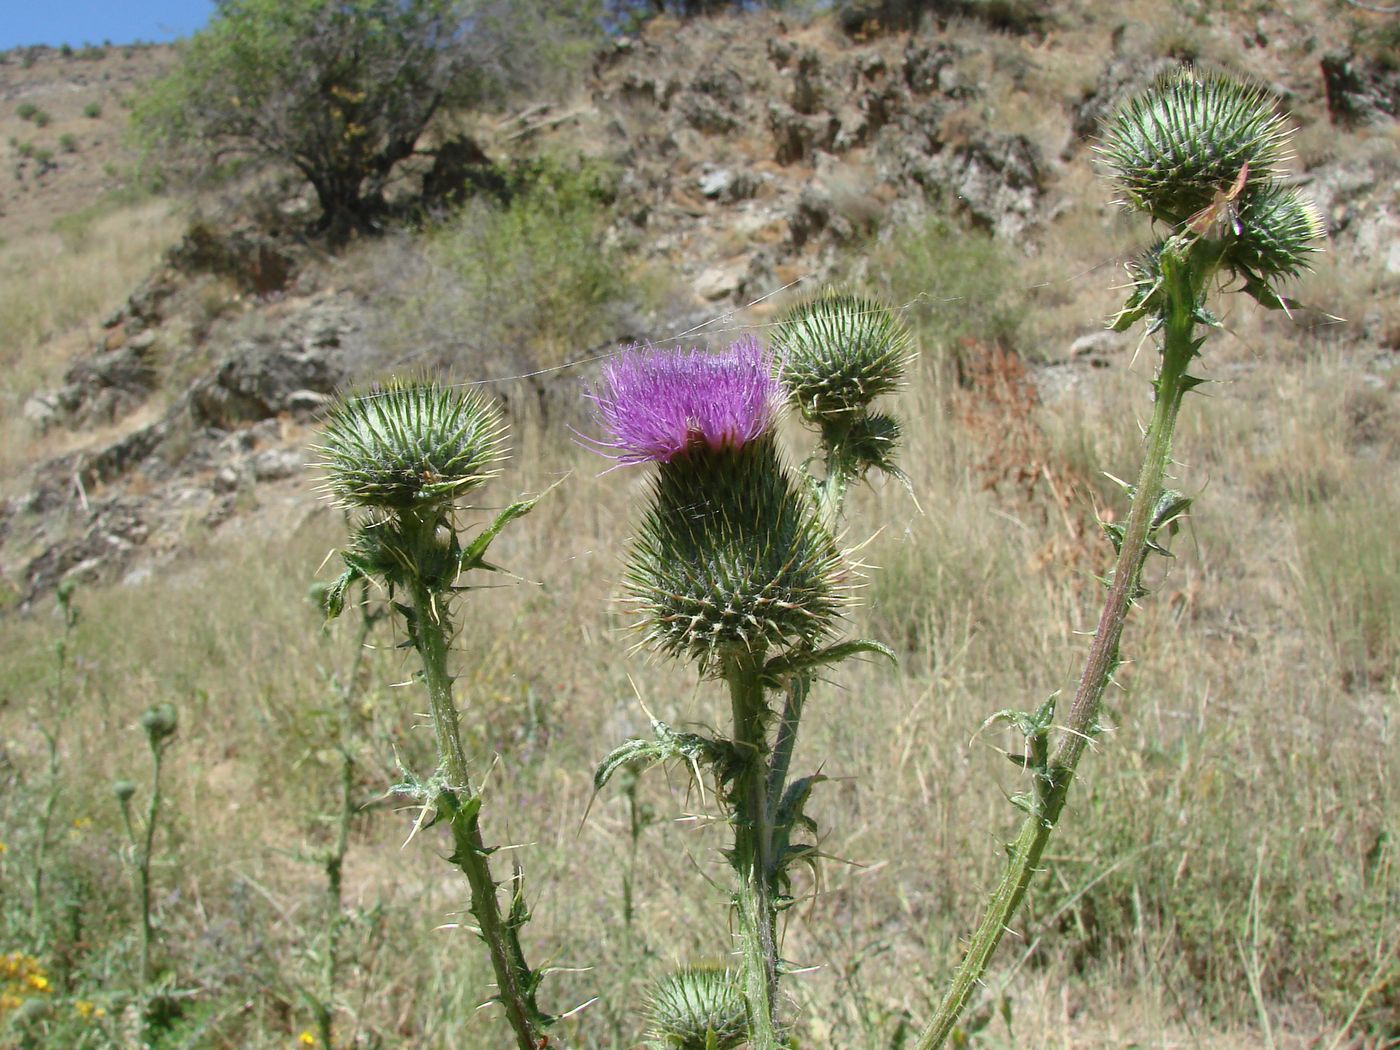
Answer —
657 404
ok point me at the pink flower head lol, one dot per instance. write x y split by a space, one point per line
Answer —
656 404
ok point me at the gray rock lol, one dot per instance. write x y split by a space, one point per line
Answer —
714 182
274 464
262 378
226 479
1359 91
1097 344
42 411
719 282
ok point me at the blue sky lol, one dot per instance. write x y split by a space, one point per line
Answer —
76 22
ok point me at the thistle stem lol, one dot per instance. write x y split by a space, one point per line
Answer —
458 805
753 853
144 868
831 502
1182 286
798 688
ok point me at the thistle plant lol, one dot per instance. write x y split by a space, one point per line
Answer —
735 566
404 456
159 723
1200 155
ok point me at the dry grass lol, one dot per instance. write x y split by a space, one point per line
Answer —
1249 772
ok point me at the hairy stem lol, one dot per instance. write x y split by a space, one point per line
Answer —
1182 291
459 805
831 501
753 853
144 867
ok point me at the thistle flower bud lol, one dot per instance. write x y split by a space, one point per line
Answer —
839 353
871 440
698 1008
159 722
730 558
1187 139
123 790
410 446
1279 229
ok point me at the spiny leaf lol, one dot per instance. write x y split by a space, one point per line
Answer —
471 556
781 667
692 748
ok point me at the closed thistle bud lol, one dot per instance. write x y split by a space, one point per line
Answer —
410 446
1188 138
730 556
870 442
123 789
1279 229
698 1008
839 353
159 722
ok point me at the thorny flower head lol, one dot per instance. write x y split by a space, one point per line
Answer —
410 445
655 405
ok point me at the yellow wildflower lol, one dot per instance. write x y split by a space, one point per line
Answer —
306 1039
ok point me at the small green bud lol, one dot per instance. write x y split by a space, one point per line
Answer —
698 1008
840 352
869 441
123 789
410 446
159 722
730 558
1187 139
1278 230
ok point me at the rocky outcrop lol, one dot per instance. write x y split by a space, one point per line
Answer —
90 514
1360 90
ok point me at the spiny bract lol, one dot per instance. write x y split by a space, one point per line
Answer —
1279 230
698 1008
730 558
410 445
839 353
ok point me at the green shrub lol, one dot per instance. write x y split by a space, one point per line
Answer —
26 110
342 92
92 110
532 281
959 286
41 119
68 142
